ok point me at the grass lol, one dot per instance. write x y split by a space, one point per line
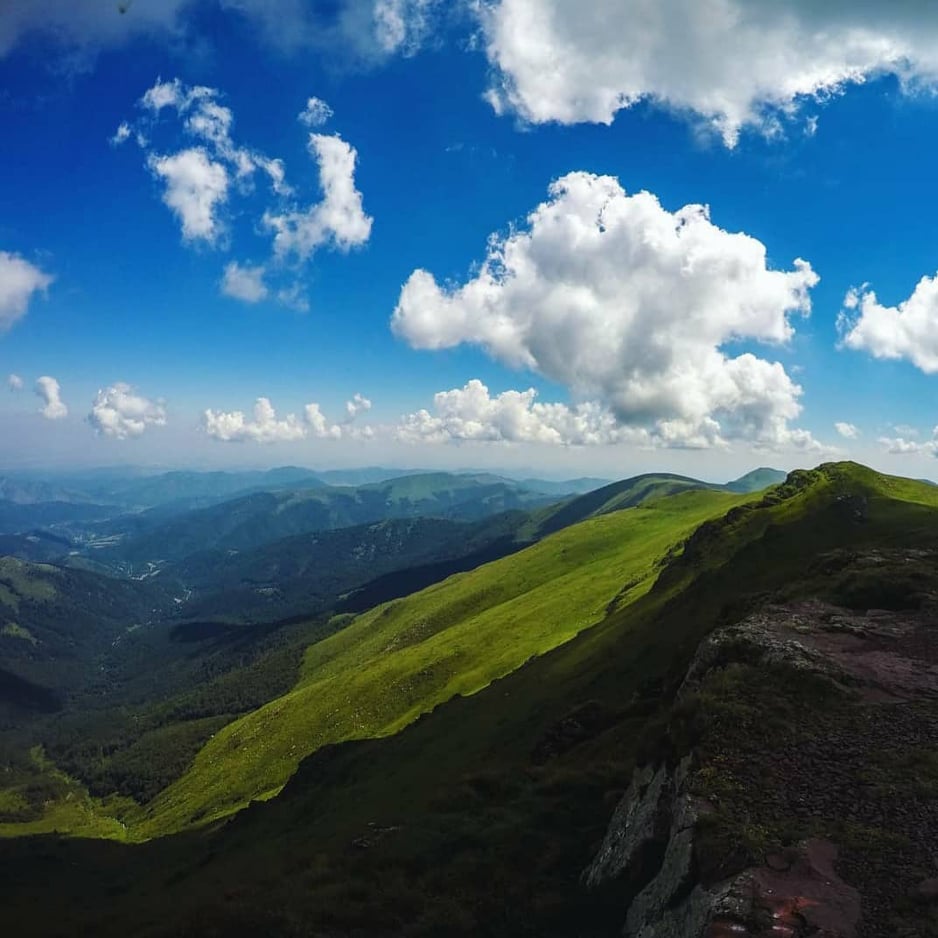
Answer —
19 581
404 658
14 630
50 802
483 835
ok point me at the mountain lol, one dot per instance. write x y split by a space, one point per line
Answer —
264 517
746 734
310 572
756 480
55 624
403 658
567 487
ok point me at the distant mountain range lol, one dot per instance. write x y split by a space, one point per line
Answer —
669 696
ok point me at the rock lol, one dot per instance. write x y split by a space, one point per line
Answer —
675 876
639 823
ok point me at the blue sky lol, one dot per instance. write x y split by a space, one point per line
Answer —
654 337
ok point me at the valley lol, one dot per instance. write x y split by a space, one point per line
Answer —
480 729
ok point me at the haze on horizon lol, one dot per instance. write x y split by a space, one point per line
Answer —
393 242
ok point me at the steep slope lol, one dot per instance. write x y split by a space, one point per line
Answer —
612 497
309 572
400 660
480 817
56 623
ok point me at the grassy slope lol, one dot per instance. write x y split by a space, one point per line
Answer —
402 659
484 835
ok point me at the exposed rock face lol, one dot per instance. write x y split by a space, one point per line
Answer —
885 655
795 895
882 667
639 825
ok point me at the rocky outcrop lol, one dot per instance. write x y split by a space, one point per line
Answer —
637 830
653 842
796 894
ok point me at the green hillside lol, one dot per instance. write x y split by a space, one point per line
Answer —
402 659
480 817
306 573
55 623
612 497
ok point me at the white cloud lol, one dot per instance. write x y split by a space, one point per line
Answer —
293 297
200 180
630 305
266 427
318 424
732 63
315 114
19 280
339 219
234 426
471 413
49 390
899 446
846 430
119 411
244 283
196 187
349 28
908 331
15 383
359 404
402 25
198 177
121 135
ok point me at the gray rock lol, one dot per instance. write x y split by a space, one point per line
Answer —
641 818
674 878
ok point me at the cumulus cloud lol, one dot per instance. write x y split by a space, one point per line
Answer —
900 446
316 113
318 425
731 63
50 392
846 430
402 25
264 426
629 305
244 283
338 220
15 383
213 169
119 411
908 331
472 413
19 281
359 404
198 178
121 135
196 187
